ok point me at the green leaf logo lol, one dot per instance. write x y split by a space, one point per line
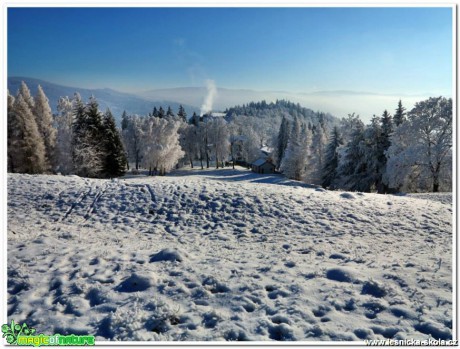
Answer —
13 331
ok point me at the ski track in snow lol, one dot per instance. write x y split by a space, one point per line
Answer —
226 255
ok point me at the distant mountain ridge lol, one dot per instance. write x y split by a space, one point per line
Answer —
107 98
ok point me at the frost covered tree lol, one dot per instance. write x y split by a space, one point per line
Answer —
26 95
353 162
44 119
317 151
63 121
161 149
421 147
219 140
331 159
189 142
294 160
88 142
244 141
26 150
132 139
114 157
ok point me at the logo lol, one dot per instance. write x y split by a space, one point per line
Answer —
17 334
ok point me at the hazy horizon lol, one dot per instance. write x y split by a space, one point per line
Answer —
341 60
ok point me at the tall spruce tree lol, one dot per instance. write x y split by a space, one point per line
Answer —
283 139
384 142
155 112
182 114
400 114
161 113
88 140
124 120
169 113
115 158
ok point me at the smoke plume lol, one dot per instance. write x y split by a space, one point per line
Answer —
206 107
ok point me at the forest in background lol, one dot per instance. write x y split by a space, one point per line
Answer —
407 151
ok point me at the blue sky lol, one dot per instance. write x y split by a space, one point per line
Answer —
372 50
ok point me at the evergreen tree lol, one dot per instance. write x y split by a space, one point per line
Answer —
169 113
294 160
26 95
161 113
353 163
115 159
331 161
12 150
384 142
195 119
155 112
44 119
283 139
400 114
63 121
88 140
182 114
124 120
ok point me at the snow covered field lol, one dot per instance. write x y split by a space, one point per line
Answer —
226 255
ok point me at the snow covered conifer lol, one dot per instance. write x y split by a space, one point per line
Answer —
44 119
331 161
294 160
26 95
353 163
27 149
63 150
88 143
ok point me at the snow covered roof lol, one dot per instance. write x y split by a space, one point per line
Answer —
259 162
266 150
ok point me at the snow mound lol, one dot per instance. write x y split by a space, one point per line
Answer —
167 254
135 283
374 289
342 274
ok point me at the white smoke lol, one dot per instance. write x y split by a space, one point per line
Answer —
206 107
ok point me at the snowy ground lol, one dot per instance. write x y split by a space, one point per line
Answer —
225 255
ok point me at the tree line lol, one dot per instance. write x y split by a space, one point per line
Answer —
409 151
79 139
